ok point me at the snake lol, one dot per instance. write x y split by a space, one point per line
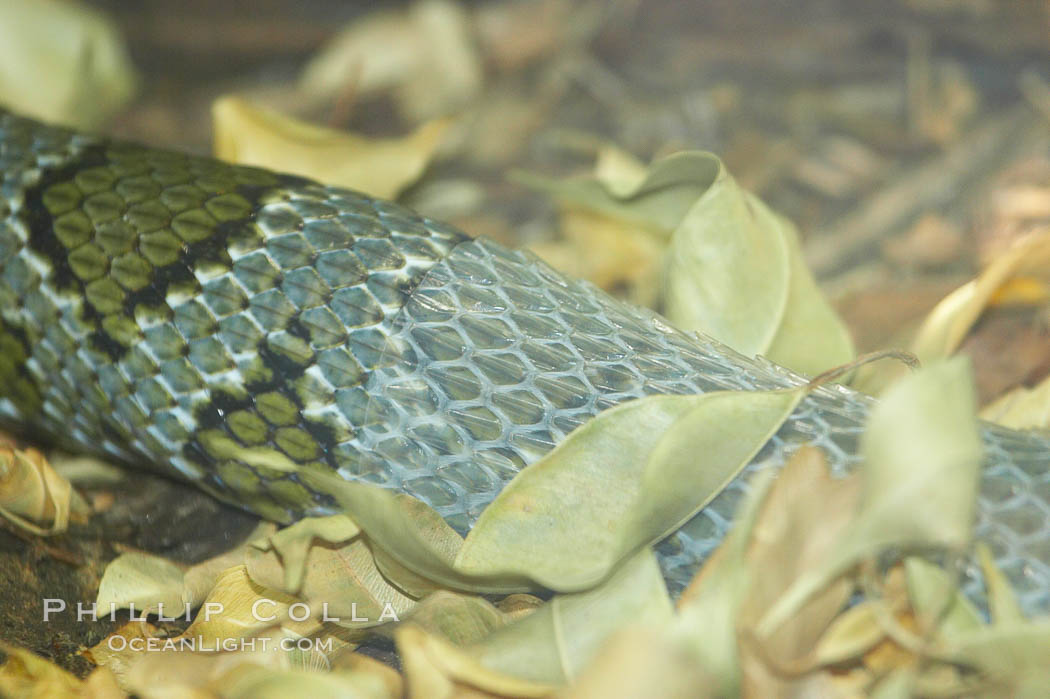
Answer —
175 311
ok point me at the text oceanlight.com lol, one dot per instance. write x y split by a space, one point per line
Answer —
200 644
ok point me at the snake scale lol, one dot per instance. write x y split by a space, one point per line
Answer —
164 309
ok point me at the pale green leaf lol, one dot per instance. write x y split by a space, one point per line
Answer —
811 337
937 600
851 634
707 622
458 618
292 544
341 582
1002 601
142 580
729 269
620 482
922 453
252 135
555 642
1012 656
734 268
656 203
62 62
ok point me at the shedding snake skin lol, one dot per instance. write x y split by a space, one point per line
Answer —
163 309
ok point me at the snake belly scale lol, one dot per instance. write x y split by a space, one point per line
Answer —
179 312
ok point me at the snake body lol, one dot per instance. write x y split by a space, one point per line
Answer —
177 311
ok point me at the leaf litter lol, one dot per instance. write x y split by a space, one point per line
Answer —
818 533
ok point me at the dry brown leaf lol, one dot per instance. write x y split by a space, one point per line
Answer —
342 581
1022 408
801 521
951 320
948 324
115 652
435 669
33 496
25 674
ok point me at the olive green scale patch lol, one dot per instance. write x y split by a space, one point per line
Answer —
214 312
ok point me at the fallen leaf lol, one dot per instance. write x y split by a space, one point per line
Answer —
33 496
341 582
1002 602
144 581
947 324
25 674
554 643
435 669
922 453
252 135
708 609
1010 656
458 618
936 600
62 62
620 482
734 268
292 544
642 661
1022 408
425 55
801 522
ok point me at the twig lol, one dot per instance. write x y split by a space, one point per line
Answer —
934 183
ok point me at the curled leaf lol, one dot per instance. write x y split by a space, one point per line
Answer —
458 618
425 55
33 496
142 580
341 582
292 544
25 674
148 581
937 600
436 668
948 323
554 643
919 483
621 482
1022 408
734 268
1002 601
252 135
